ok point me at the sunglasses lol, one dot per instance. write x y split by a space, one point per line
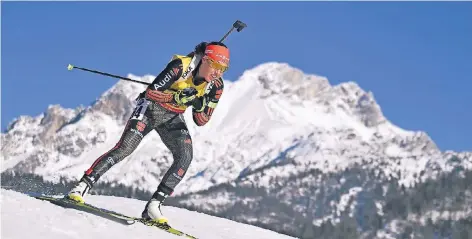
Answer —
215 65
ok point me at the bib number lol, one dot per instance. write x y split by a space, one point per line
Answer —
140 109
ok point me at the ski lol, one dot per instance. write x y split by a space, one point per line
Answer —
85 207
108 214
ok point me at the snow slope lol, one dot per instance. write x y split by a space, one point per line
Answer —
25 217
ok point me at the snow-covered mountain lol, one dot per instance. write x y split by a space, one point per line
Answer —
276 132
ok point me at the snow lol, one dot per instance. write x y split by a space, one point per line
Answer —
344 200
27 217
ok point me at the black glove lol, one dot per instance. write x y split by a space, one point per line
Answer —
199 103
185 96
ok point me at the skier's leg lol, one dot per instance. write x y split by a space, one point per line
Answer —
176 137
137 127
132 136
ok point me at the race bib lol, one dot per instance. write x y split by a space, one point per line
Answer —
140 109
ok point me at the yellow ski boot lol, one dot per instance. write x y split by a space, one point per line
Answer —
153 212
78 192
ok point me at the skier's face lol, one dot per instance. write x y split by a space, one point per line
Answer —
210 69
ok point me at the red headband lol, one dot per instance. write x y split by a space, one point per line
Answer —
218 53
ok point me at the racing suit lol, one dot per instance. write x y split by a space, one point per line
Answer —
156 109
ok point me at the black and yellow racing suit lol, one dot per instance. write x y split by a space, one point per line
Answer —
156 109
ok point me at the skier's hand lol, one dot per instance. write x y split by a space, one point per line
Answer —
185 96
199 103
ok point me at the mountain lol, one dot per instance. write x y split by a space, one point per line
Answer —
284 150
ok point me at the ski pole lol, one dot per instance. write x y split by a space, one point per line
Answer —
238 25
70 67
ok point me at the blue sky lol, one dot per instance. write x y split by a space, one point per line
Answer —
415 57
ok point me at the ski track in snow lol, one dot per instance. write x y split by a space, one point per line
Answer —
26 217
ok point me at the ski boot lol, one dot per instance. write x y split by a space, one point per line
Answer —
152 212
78 192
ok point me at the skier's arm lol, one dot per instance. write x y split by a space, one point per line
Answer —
163 81
203 108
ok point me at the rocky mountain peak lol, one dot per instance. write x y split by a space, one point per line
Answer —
283 79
